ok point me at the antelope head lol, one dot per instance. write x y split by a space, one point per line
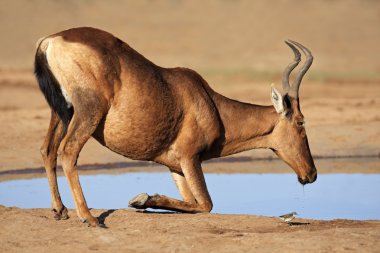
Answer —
288 139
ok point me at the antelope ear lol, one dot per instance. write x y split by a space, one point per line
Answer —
277 100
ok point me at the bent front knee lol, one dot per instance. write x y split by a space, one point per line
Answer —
206 207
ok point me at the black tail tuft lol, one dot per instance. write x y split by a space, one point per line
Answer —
51 88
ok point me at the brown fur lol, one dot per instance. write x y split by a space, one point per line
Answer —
146 112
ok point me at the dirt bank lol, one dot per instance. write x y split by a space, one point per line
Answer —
34 230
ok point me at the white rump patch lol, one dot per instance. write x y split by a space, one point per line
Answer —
63 90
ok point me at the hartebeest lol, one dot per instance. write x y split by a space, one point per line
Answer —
97 85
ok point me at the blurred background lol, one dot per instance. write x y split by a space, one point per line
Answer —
236 45
224 35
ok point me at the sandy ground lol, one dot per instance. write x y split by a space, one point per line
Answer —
34 230
237 46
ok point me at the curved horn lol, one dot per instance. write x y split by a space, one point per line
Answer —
294 90
290 67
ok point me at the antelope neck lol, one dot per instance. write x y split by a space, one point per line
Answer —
246 126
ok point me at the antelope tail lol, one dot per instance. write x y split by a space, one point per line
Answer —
50 87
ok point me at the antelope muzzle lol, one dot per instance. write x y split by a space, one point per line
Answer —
308 179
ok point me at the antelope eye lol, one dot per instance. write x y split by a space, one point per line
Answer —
300 123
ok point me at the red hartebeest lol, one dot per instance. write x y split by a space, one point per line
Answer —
97 85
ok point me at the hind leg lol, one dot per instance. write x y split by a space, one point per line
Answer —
78 133
87 115
49 155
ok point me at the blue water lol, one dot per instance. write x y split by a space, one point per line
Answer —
332 196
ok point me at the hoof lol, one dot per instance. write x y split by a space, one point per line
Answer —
61 214
91 222
139 201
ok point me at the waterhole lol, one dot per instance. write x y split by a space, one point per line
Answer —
332 196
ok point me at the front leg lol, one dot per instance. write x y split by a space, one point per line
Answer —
195 181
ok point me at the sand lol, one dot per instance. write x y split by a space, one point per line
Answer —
33 230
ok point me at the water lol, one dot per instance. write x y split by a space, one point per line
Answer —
332 196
